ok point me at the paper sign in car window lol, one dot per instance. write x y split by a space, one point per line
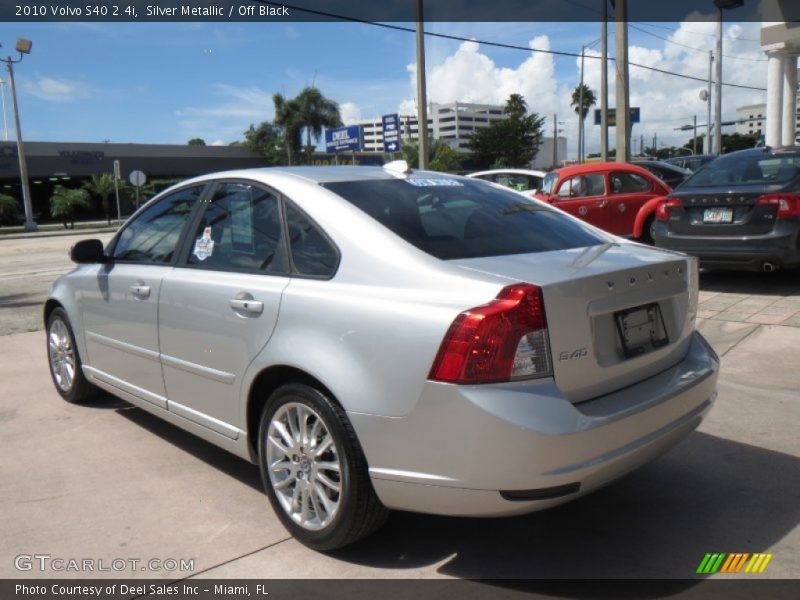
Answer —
204 245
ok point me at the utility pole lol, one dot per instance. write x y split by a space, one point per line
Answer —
623 116
555 141
694 139
718 98
422 97
580 110
604 84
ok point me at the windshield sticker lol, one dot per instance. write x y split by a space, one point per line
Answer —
435 182
204 246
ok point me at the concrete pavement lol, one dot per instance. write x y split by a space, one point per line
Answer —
110 481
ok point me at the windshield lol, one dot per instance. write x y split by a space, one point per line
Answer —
453 218
548 183
748 169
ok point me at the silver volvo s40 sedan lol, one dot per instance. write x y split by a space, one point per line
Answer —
379 338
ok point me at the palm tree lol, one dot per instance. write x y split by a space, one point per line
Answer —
317 112
442 157
64 201
9 208
584 93
288 118
102 186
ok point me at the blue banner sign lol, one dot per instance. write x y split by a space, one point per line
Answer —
343 139
391 133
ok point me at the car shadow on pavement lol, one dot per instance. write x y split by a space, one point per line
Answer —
780 283
218 458
707 495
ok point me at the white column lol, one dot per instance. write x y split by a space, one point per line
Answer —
789 100
775 70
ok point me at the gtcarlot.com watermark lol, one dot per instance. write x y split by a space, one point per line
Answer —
46 563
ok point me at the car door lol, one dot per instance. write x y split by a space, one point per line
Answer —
628 192
585 197
218 308
119 305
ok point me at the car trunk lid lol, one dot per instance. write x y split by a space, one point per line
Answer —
593 297
722 212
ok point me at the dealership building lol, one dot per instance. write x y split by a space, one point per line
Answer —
70 164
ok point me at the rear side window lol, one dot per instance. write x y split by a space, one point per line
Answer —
240 230
457 218
312 254
583 185
628 183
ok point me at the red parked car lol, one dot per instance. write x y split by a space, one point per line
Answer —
618 197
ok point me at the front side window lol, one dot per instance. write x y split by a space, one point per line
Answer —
152 237
581 186
628 183
240 230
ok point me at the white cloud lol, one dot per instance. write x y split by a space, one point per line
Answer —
470 75
217 143
236 109
55 90
350 112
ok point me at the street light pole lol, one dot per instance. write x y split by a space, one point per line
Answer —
23 46
721 5
3 82
718 98
623 115
694 139
708 146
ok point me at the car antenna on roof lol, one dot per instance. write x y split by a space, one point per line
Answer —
398 168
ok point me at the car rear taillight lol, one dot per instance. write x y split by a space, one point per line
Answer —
788 205
663 208
503 340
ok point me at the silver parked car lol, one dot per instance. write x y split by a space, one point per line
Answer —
376 338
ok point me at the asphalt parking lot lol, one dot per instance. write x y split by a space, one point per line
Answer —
108 481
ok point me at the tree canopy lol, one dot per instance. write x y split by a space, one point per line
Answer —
512 142
311 111
196 142
102 186
268 141
589 100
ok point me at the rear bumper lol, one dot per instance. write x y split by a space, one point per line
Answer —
781 247
508 449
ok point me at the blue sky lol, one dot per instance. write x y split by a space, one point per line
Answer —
169 82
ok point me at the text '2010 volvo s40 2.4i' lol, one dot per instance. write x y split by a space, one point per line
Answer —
376 338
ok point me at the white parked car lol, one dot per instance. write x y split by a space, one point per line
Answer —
520 180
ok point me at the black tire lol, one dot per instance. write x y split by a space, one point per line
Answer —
359 511
647 231
80 390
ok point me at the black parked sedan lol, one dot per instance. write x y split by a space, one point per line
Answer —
670 174
741 211
693 162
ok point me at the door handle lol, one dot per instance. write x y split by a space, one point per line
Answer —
246 305
140 291
602 204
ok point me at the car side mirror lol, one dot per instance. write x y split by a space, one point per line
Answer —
88 252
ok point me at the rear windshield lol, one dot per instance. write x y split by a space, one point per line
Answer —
458 218
749 169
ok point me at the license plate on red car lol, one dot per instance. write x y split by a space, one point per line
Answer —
718 215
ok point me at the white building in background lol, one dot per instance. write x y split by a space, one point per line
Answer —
751 119
453 122
781 43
